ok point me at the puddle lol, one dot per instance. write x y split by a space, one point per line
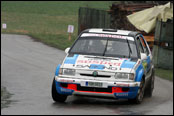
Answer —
5 97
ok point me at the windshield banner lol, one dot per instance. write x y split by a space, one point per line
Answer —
106 35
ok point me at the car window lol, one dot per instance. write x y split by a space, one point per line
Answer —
121 48
89 46
144 45
140 46
105 45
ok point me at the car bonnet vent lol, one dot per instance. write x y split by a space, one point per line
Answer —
110 30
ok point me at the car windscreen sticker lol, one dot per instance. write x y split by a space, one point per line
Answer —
106 36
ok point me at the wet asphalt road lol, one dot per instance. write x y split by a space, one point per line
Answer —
27 70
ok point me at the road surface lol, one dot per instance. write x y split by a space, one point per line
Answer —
27 71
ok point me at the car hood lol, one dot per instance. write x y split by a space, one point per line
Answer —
98 63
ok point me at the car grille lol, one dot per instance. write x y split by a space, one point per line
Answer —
107 76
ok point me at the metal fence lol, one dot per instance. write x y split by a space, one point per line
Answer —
92 18
163 45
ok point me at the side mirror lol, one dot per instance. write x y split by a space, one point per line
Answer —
143 56
67 50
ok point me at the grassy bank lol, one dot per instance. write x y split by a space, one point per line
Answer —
166 74
46 21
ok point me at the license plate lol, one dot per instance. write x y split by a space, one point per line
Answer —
94 84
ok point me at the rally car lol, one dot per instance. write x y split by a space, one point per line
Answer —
106 63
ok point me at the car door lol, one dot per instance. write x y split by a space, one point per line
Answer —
144 48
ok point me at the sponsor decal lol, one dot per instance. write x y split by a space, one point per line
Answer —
122 94
65 90
98 62
103 35
104 67
96 66
106 36
63 80
144 63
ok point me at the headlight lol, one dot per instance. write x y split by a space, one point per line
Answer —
68 72
131 76
60 71
127 76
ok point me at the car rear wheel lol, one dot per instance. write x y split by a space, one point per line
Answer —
140 95
56 96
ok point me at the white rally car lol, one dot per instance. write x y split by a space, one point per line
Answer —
106 63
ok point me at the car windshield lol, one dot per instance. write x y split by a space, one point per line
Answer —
105 46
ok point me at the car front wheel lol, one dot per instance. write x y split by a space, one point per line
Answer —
140 95
56 96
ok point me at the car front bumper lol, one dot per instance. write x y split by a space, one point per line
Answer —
71 86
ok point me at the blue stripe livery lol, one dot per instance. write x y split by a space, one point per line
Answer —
127 64
95 66
57 70
71 60
139 73
128 95
148 63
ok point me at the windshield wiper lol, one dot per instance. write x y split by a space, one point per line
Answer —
130 51
105 47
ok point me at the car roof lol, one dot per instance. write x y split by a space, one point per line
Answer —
111 31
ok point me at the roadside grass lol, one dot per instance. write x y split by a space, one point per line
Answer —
45 21
163 73
58 41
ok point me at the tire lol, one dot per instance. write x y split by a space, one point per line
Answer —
56 96
150 86
140 94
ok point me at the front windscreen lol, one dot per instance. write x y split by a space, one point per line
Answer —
105 46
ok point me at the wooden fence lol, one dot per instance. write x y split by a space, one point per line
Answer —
92 18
